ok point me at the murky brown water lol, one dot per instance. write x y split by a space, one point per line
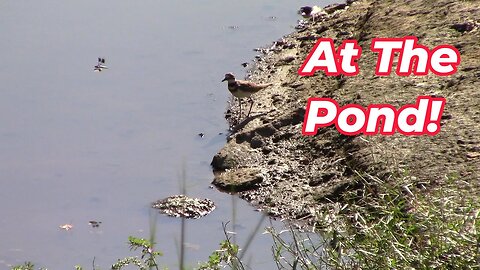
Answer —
77 145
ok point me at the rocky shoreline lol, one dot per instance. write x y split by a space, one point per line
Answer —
268 161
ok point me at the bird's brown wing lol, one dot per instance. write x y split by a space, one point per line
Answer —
251 86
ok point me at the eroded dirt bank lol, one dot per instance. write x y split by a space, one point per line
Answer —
273 166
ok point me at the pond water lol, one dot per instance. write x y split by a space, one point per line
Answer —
76 145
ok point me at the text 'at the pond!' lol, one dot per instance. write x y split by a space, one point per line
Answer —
413 59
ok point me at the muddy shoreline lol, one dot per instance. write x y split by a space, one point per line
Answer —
269 163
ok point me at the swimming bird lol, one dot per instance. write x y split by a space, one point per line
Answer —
243 89
100 65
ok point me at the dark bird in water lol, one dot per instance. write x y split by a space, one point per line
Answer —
100 65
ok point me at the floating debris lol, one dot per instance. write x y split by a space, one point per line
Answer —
261 50
95 224
201 134
245 64
185 207
66 227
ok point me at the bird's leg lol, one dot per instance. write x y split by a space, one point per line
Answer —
251 105
240 104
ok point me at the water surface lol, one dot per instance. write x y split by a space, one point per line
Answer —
77 145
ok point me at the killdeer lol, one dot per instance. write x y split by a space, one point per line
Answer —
311 12
100 65
243 89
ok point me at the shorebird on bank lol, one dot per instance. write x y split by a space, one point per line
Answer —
243 89
311 12
100 65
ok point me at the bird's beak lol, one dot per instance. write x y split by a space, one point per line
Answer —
224 79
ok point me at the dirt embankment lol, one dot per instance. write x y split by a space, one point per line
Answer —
272 165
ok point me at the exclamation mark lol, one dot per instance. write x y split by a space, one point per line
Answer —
436 111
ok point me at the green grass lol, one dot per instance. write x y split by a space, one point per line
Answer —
395 225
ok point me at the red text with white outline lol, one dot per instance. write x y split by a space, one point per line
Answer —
413 58
420 118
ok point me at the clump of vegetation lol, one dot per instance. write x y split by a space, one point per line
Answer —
25 266
394 224
147 260
227 255
391 225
